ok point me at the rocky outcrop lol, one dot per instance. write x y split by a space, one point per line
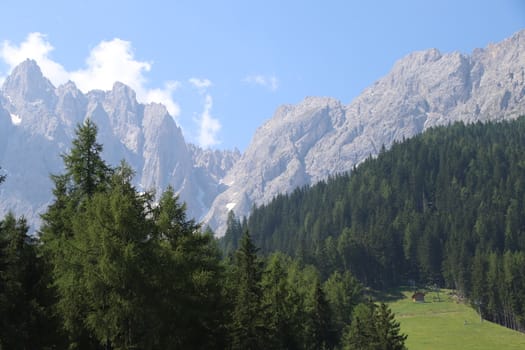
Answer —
300 145
37 124
303 144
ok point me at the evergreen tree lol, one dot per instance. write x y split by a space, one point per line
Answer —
431 209
323 333
281 304
128 274
188 290
64 224
233 234
343 293
361 333
25 320
112 251
248 330
389 336
373 327
84 163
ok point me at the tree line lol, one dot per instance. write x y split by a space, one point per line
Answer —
444 208
115 268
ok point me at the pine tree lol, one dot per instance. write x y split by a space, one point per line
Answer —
230 241
63 244
188 288
361 333
281 304
25 320
84 163
126 273
111 239
16 258
389 336
373 327
324 335
343 293
248 330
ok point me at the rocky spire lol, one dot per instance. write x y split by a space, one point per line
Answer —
26 83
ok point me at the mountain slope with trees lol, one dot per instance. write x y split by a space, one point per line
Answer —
112 269
446 207
320 137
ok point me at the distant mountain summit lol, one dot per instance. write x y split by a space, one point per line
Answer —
300 145
37 124
319 137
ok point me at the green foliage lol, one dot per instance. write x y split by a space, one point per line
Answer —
126 273
188 290
281 304
233 234
248 328
373 327
445 207
343 293
448 324
84 163
322 330
24 322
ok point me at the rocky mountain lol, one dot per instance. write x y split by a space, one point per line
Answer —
300 145
305 143
37 124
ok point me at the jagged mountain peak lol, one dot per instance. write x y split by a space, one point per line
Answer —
123 92
300 145
515 42
68 88
318 137
418 58
39 121
26 83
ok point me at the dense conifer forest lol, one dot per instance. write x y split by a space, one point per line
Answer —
115 268
445 208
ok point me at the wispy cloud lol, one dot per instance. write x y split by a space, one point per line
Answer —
200 83
38 48
270 82
108 62
209 126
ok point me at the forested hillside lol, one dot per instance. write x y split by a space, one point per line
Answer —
113 269
446 207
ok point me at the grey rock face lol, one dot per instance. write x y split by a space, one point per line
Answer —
300 145
37 124
319 137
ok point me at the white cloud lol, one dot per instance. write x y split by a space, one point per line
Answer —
38 48
164 96
108 62
270 82
209 126
200 83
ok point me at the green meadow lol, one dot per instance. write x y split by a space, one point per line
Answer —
447 324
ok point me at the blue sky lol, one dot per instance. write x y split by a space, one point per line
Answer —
223 67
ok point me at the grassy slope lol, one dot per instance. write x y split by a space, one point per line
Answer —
449 325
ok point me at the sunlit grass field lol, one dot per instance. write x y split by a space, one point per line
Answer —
448 324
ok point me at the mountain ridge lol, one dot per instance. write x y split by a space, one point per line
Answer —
300 145
423 89
38 122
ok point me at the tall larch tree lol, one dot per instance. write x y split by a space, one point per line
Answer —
248 330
